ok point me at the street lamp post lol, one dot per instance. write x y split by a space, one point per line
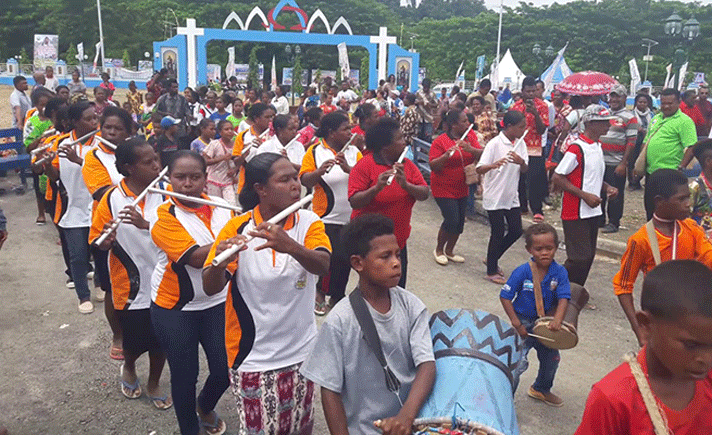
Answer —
292 54
542 54
687 32
648 58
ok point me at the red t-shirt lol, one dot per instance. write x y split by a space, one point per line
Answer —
392 201
449 182
615 407
693 112
533 139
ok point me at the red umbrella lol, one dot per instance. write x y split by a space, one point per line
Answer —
587 83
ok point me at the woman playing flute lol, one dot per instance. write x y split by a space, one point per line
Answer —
76 218
182 313
261 116
100 174
284 140
326 169
270 324
369 191
131 260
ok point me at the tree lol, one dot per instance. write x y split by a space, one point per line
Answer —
126 59
70 56
297 87
253 78
363 71
24 57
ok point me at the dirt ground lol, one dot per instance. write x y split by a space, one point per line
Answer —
57 377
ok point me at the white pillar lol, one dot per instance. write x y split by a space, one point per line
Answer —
191 31
383 40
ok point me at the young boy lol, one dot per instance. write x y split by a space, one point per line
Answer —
353 386
701 187
671 194
676 325
518 299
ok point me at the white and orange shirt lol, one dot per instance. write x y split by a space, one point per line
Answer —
331 193
294 149
269 313
178 231
77 213
99 168
133 256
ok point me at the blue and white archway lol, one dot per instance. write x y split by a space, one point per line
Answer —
189 47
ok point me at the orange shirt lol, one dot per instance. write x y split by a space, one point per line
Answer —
245 137
692 244
96 174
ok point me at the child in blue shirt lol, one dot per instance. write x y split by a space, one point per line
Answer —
517 297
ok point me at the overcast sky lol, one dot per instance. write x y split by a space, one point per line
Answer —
494 4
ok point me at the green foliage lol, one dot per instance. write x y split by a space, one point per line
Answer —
126 59
363 71
297 87
70 56
24 57
253 77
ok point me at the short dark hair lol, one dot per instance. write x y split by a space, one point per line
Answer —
665 182
451 118
123 115
364 111
257 170
677 288
331 122
170 82
223 122
427 82
76 111
313 114
189 154
703 150
689 93
479 98
512 117
485 83
257 109
670 91
356 236
410 98
126 153
53 106
40 93
381 134
60 87
540 82
280 122
18 79
528 81
538 229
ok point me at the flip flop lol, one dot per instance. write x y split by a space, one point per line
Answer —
40 222
497 279
500 272
320 308
160 402
130 391
116 353
218 428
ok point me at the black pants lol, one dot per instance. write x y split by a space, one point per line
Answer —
404 266
613 208
648 200
635 152
334 283
180 333
453 211
498 242
581 237
534 187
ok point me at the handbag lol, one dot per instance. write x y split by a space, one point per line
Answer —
370 336
641 163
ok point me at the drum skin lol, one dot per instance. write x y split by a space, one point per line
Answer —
475 354
565 338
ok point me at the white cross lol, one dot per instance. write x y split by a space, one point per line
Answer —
382 40
191 31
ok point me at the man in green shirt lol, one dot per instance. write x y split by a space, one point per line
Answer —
671 136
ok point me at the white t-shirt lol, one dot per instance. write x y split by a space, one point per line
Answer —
348 94
244 125
21 100
500 186
295 149
79 200
51 84
281 105
342 362
583 166
552 117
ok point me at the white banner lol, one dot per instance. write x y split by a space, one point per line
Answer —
681 80
127 74
96 56
667 76
344 61
230 60
273 82
634 76
80 52
214 73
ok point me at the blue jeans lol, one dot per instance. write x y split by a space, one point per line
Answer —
548 360
78 246
179 333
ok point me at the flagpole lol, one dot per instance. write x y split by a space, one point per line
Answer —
499 41
101 35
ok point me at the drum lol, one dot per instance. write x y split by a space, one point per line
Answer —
475 355
567 336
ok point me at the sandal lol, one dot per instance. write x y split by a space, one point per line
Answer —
160 402
116 353
40 221
538 218
500 272
320 308
217 428
497 279
130 391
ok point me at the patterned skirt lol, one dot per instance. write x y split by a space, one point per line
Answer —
275 402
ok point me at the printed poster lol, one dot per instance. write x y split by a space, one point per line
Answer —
46 49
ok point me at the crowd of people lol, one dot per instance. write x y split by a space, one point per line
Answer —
184 201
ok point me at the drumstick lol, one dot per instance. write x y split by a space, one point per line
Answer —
224 255
194 199
134 203
541 337
452 150
400 160
106 142
348 144
514 148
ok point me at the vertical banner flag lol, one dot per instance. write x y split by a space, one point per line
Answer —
480 67
667 76
274 74
230 67
699 78
681 80
344 61
459 70
80 52
557 67
96 56
634 76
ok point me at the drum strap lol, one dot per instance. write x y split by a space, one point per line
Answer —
370 336
653 240
538 296
657 416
